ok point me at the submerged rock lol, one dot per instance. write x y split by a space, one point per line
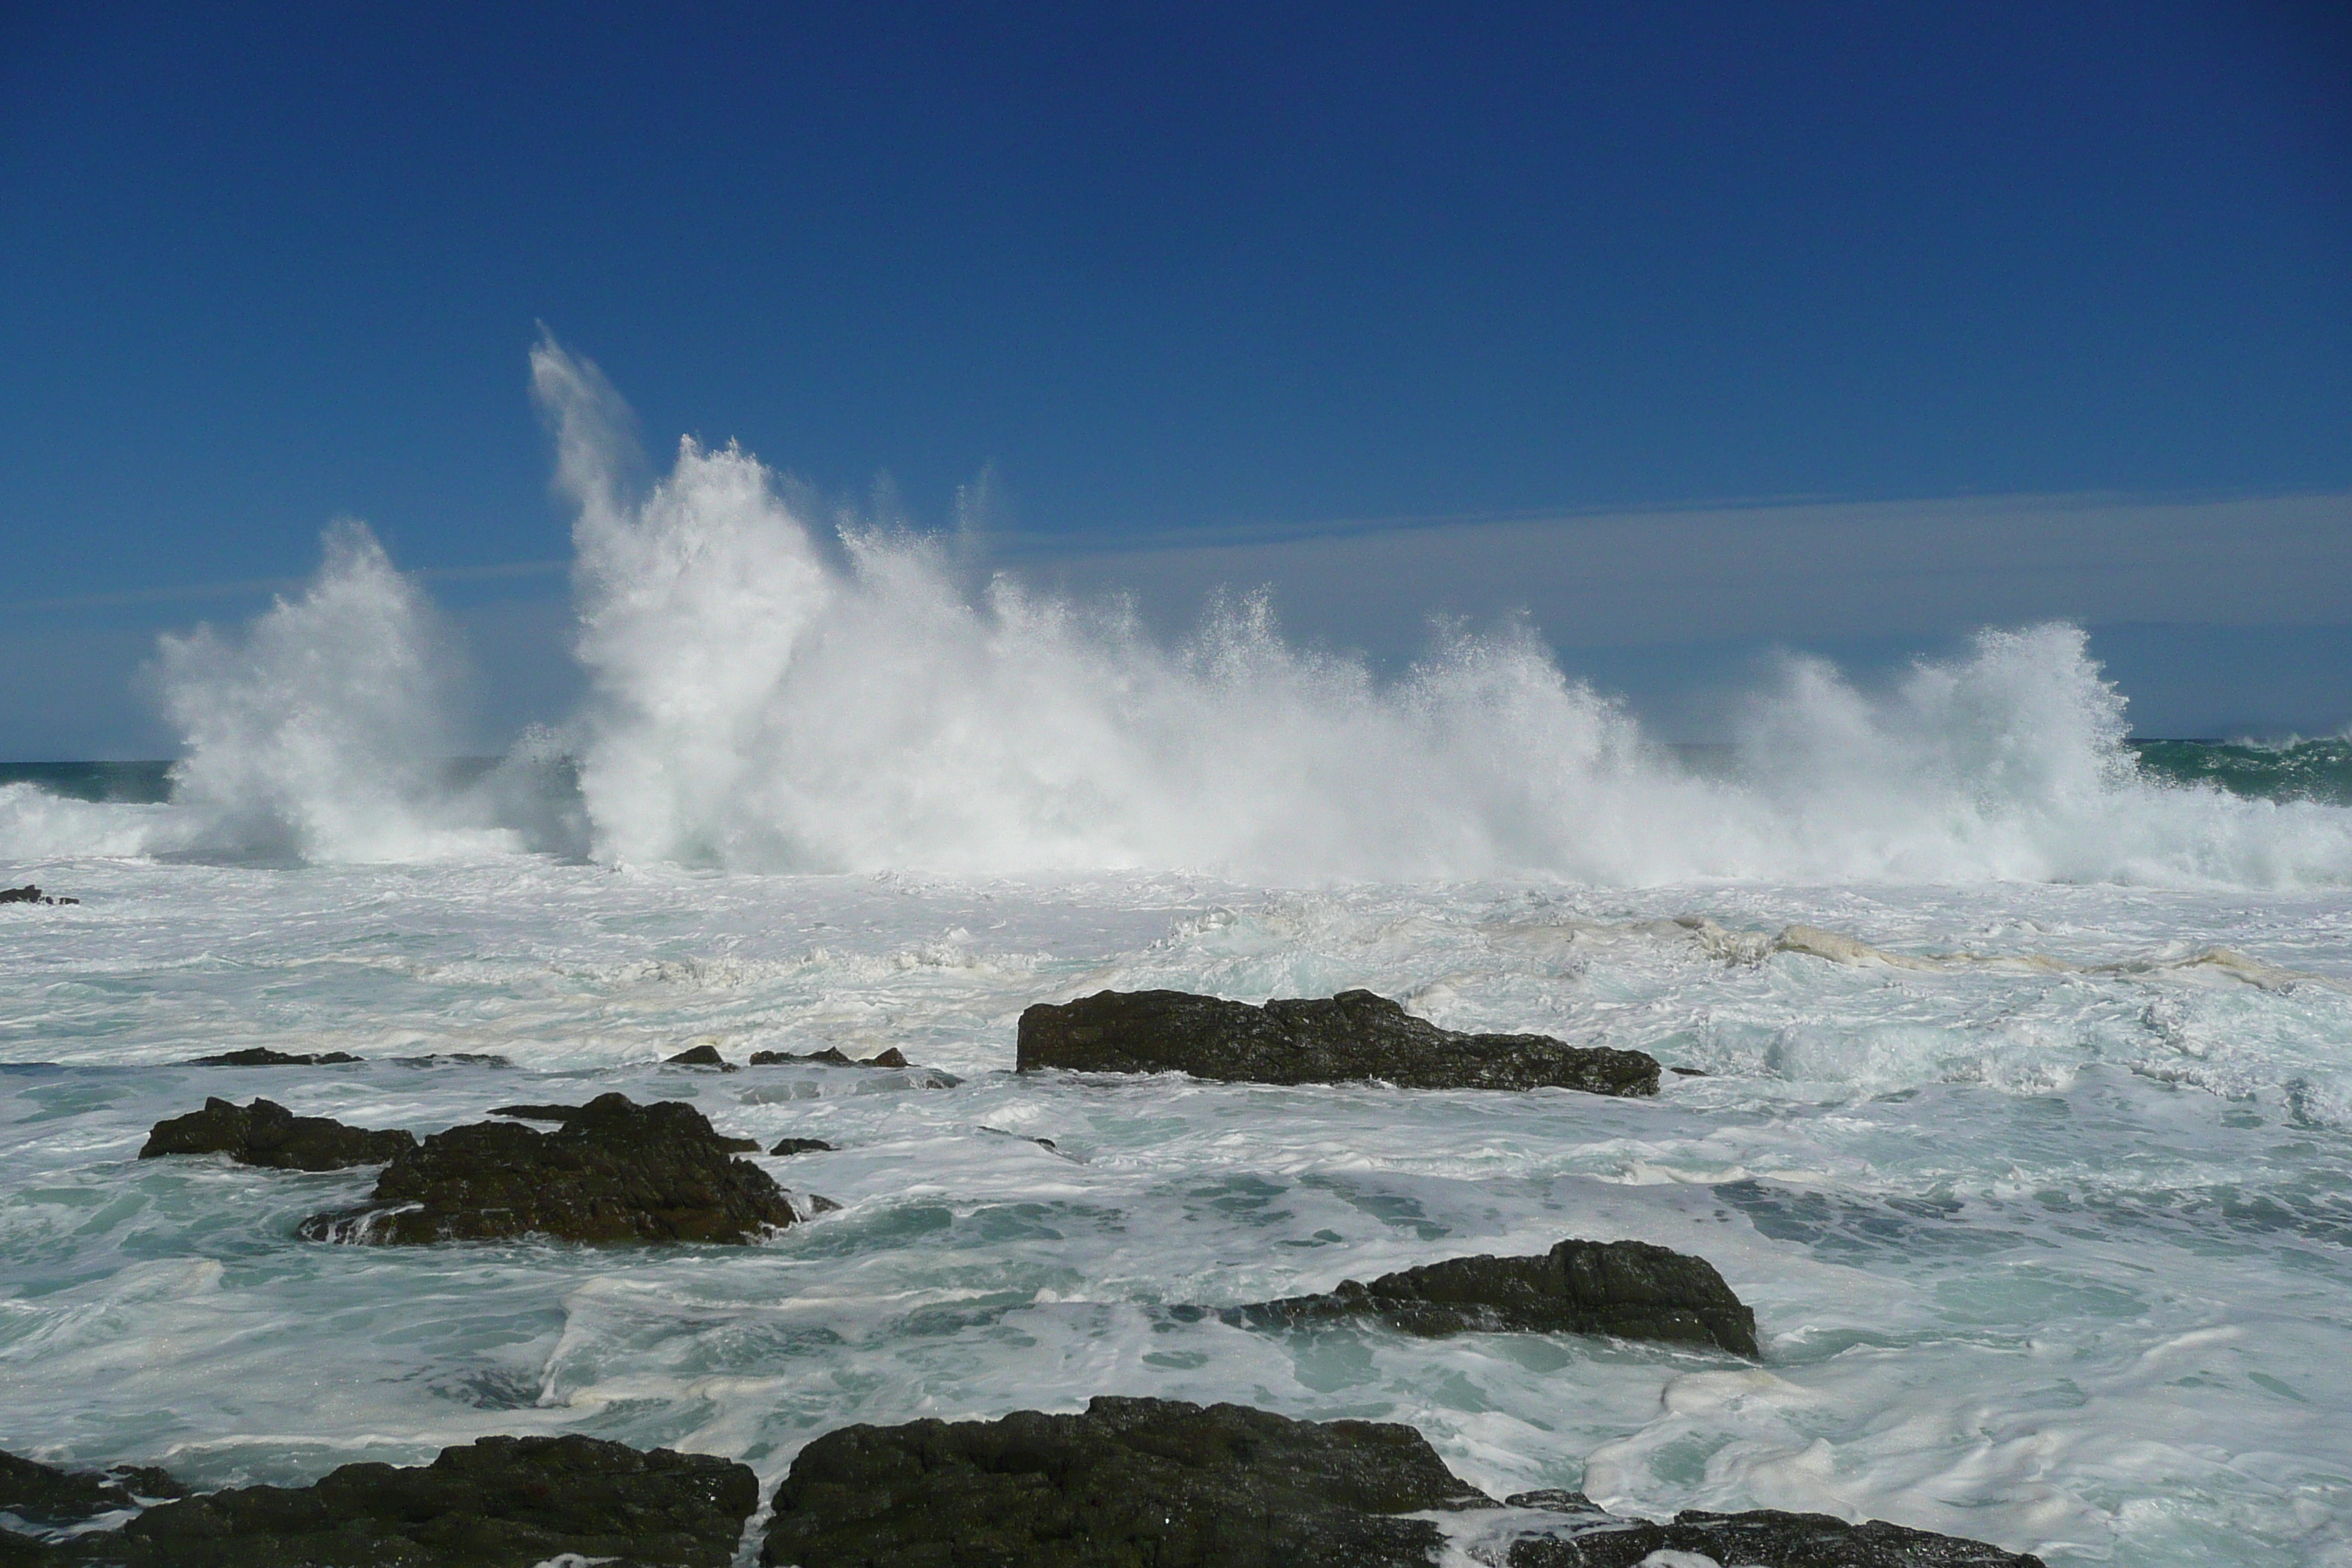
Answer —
263 1056
30 894
700 1056
539 1112
1131 1481
1765 1537
266 1133
1353 1036
503 1503
1628 1289
1174 1485
42 1494
616 1171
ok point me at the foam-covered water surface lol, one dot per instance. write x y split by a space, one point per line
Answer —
2047 1217
2017 1058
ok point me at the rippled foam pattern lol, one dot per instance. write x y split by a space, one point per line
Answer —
2026 1125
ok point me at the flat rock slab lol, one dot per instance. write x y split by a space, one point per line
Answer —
266 1133
1132 1481
831 1057
1355 1036
616 1171
503 1503
1766 1537
263 1056
1628 1288
1159 1483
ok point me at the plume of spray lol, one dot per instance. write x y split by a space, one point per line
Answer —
764 697
766 693
322 730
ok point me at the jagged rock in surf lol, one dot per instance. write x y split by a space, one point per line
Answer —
263 1056
617 1171
802 1146
30 894
700 1056
1765 1537
1351 1037
831 1057
266 1133
502 1502
1129 1481
1178 1485
569 1112
1631 1289
43 1494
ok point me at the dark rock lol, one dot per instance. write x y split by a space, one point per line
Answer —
617 1171
41 1494
463 1058
802 1146
30 894
267 1133
503 1503
1628 1289
1154 1483
263 1056
1353 1036
1767 1538
700 1056
567 1112
831 1056
1130 1482
1688 1072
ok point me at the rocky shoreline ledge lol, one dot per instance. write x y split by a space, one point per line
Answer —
1628 1290
1124 1483
1356 1035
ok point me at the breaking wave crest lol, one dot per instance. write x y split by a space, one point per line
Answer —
768 694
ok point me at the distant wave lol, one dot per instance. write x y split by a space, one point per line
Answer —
766 695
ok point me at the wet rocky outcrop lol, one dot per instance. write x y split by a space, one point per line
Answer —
1129 1481
616 1171
43 1495
1628 1288
1176 1485
264 1057
802 1146
503 1503
700 1056
30 894
1351 1037
1765 1537
266 1133
831 1057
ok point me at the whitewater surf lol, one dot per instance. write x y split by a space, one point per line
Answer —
2019 1105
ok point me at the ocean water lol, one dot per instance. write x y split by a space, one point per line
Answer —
2032 1146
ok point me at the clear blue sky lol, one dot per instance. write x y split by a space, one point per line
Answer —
1166 267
